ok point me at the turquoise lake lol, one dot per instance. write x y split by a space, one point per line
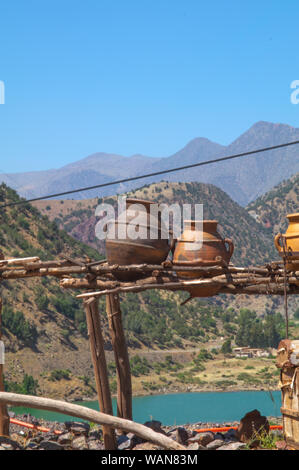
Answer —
183 408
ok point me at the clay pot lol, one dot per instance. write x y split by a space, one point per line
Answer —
213 252
291 238
128 251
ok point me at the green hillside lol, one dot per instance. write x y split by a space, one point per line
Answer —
44 326
271 208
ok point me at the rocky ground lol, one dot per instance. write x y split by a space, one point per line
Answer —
83 436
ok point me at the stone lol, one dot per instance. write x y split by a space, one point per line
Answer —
182 435
122 438
202 438
193 446
155 426
31 446
219 435
213 445
135 440
36 439
123 442
34 421
7 447
6 441
95 434
147 446
50 436
77 427
65 439
172 435
94 444
251 425
231 434
27 417
17 438
80 443
233 446
196 446
50 445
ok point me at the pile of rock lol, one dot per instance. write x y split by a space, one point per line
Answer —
245 436
187 437
70 435
81 436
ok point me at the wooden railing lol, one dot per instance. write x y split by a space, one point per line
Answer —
88 414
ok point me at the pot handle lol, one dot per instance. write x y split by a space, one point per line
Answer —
231 246
277 242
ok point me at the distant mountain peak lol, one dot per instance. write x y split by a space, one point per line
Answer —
270 125
200 141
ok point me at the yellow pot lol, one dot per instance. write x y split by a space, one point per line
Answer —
291 238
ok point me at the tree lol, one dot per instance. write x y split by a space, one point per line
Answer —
256 333
226 347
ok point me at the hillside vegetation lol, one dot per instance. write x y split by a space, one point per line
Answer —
272 208
25 232
44 326
41 323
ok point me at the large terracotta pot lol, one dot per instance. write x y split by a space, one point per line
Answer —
291 238
140 250
212 252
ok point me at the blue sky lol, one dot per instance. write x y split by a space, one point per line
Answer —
140 76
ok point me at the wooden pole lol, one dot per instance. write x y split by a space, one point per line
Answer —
91 415
123 371
4 418
100 367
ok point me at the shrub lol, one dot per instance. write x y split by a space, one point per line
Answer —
59 374
16 323
28 386
226 347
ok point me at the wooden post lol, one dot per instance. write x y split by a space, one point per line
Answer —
123 371
4 417
100 367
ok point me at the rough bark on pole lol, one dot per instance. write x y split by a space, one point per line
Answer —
100 367
4 418
123 371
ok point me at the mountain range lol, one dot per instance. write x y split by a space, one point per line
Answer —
243 179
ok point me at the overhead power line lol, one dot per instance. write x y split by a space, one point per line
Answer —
156 173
